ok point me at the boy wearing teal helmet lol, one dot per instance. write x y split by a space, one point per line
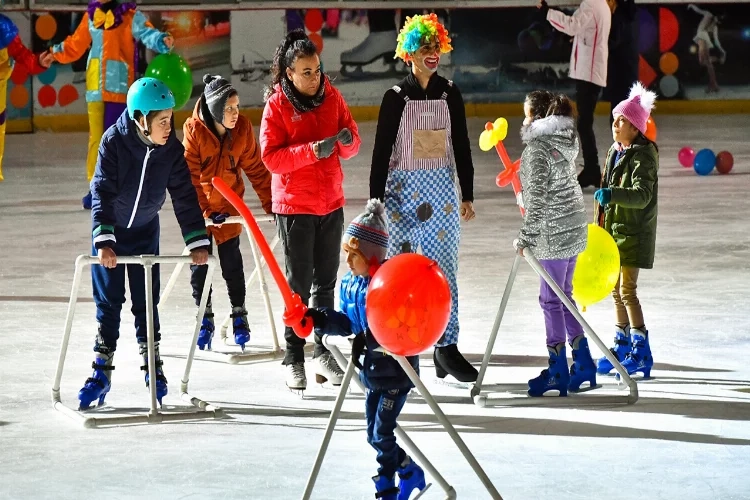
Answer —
140 158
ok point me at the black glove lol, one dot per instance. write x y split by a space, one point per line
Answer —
218 218
317 317
325 147
345 136
358 347
543 8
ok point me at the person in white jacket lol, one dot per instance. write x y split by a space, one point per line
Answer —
589 26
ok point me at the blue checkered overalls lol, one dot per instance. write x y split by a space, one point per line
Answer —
421 196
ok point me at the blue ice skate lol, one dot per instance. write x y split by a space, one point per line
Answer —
385 488
639 359
240 326
555 378
583 368
161 381
98 385
621 349
206 335
410 478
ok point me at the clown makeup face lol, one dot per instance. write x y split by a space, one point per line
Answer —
355 259
623 131
427 58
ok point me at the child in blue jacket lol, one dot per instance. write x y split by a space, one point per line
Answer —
140 158
365 243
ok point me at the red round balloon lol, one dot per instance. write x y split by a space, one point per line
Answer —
408 304
651 129
724 162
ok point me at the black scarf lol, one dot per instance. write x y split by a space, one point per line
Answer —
301 102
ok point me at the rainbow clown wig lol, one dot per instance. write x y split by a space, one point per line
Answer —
418 31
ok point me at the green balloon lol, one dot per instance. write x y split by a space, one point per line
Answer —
175 73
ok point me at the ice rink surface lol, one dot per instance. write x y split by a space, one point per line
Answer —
686 438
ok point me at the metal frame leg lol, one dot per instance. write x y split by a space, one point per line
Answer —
477 386
401 435
406 366
573 398
154 416
257 273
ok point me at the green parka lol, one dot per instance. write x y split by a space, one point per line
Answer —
630 217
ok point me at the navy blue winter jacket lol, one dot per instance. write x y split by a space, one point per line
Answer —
380 372
131 181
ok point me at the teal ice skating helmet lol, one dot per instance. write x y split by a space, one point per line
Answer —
147 95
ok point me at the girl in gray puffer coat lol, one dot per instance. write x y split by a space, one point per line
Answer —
554 229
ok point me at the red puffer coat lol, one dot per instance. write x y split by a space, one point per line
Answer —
301 183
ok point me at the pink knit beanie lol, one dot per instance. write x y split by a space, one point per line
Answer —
637 107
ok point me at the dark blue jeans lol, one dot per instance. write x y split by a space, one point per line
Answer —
382 409
109 284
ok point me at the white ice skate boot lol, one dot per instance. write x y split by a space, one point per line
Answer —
326 368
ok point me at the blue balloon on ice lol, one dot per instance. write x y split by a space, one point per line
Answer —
704 162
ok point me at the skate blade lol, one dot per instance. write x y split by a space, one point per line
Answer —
298 392
455 384
419 495
585 389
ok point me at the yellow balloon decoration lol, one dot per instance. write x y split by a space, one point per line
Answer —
485 141
499 130
597 268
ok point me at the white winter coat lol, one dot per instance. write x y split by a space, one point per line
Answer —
589 25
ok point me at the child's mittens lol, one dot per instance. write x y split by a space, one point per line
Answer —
345 136
218 218
603 196
317 317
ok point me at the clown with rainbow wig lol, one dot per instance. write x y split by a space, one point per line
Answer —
423 171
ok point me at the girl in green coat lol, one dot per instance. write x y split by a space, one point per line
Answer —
627 210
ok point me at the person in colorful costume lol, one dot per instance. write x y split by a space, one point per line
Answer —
365 243
110 30
421 146
12 47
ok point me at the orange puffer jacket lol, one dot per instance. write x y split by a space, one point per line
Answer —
208 157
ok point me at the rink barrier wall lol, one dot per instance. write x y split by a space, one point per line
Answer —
79 123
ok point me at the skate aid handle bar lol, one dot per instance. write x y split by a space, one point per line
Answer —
294 312
492 136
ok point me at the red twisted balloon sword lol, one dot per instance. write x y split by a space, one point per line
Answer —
294 311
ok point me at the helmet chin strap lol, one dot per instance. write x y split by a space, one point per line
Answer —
145 131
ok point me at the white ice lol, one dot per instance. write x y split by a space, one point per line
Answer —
687 437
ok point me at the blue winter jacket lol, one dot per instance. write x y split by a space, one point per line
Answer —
130 185
380 371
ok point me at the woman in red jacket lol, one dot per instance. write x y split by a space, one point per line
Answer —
306 127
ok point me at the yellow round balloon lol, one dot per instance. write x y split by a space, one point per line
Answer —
485 141
597 268
499 130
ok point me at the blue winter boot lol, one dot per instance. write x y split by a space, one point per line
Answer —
410 478
583 368
86 201
206 335
385 488
621 349
240 326
556 377
639 359
161 380
98 385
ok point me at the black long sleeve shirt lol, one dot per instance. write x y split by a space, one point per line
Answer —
389 120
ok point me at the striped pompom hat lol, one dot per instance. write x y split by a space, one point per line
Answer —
370 229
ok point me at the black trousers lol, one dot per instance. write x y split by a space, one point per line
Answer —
587 95
312 249
230 261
